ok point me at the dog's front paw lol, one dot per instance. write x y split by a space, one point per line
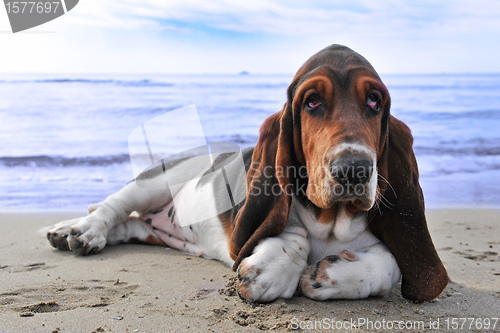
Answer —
335 277
351 275
82 236
272 271
264 282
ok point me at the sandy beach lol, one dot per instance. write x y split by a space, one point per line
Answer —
138 288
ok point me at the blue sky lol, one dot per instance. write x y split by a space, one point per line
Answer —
260 36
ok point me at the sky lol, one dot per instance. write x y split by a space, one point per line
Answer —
258 36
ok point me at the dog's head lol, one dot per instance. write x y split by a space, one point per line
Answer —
340 110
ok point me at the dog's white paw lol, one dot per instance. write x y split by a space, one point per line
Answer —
350 276
58 234
83 236
273 270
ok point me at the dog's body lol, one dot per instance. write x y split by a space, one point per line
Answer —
348 216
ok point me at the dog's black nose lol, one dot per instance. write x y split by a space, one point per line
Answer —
351 171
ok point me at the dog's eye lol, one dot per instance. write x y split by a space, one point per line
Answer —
313 102
373 101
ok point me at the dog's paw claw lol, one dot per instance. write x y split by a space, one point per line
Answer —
316 285
59 242
93 250
77 246
76 232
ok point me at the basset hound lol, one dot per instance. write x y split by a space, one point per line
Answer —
333 205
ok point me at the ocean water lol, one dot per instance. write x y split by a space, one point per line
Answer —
65 137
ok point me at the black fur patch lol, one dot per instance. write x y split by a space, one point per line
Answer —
316 269
332 258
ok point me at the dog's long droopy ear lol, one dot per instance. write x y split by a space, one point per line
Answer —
401 224
265 212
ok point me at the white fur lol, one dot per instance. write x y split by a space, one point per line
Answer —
124 232
343 147
275 267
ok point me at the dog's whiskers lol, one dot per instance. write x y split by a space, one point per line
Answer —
392 188
381 199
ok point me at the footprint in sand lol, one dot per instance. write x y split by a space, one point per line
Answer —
488 256
65 296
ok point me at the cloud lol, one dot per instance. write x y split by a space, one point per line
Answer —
265 36
293 18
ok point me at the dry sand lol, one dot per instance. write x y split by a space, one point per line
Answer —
136 288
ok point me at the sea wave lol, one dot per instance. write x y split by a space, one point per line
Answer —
458 151
238 85
133 83
452 115
224 84
242 140
426 87
46 161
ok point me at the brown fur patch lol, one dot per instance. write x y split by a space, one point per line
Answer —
351 210
150 240
227 223
322 275
327 216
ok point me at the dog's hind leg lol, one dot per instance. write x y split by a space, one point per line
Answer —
135 230
88 235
